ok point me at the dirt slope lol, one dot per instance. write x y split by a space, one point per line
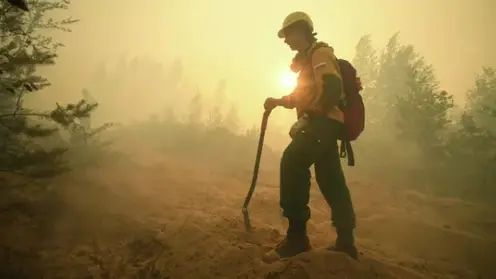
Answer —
167 218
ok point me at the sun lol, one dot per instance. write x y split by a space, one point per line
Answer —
288 80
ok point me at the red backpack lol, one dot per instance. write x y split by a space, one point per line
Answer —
354 109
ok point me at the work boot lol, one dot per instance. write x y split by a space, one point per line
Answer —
345 243
295 242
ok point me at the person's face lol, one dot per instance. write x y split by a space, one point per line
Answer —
294 37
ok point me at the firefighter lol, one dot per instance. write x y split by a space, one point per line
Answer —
315 136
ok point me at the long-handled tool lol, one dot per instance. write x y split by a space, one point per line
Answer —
263 127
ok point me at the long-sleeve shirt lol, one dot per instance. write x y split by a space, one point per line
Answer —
307 95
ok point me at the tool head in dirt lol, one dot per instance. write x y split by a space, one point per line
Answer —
263 127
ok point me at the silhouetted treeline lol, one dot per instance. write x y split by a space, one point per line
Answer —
415 129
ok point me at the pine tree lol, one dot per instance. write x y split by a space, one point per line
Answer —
422 108
196 109
366 63
405 96
472 146
22 49
231 121
391 79
367 66
482 100
252 133
216 117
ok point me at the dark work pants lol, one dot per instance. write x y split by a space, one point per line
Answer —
316 145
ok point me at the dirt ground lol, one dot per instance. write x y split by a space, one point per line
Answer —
164 217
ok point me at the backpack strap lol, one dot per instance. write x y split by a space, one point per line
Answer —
312 51
346 151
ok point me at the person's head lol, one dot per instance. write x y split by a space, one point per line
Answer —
297 31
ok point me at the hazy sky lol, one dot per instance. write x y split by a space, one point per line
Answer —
237 40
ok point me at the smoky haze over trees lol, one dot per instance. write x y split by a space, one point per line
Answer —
414 129
416 136
415 125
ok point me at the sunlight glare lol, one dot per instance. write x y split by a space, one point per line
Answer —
288 80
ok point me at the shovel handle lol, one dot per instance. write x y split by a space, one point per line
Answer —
263 128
